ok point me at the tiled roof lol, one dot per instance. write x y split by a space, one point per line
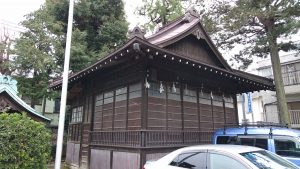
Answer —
17 99
261 82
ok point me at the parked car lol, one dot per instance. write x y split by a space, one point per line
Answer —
273 137
220 157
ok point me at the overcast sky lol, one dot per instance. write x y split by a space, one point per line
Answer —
12 12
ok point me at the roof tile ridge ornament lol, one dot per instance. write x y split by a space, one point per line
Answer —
191 14
137 32
8 81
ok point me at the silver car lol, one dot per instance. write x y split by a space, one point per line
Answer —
220 157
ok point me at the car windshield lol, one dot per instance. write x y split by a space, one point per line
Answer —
267 160
287 147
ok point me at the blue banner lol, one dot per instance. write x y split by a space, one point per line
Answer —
249 98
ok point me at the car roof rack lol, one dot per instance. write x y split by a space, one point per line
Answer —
255 124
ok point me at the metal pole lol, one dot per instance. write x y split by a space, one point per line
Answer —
63 100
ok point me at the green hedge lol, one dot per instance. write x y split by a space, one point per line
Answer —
24 143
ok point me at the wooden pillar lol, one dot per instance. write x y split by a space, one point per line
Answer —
224 110
142 158
212 111
144 107
167 113
182 112
236 108
91 121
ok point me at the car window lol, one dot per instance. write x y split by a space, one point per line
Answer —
286 147
261 143
219 161
256 142
267 160
226 140
194 160
248 141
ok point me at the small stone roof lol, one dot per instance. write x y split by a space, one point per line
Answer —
8 88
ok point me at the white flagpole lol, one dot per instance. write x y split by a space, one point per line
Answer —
63 100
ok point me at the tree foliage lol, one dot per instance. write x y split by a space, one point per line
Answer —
234 24
261 28
24 143
159 12
98 27
5 50
245 23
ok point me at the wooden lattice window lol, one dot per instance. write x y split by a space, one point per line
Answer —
77 114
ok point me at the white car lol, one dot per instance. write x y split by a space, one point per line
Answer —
220 157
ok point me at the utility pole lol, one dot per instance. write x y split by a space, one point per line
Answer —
63 100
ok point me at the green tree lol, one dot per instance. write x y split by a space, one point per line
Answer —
24 143
261 26
37 56
160 12
5 50
99 26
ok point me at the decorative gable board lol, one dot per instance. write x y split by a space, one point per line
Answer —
195 49
188 37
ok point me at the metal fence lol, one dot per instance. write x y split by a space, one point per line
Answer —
290 78
295 117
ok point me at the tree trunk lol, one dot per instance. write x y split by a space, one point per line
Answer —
284 115
164 16
44 105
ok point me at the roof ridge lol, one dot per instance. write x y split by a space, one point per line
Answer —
189 15
163 28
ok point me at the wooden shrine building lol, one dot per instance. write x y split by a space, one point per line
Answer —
10 102
151 96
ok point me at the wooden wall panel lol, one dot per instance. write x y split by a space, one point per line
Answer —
76 154
72 156
125 160
98 117
120 115
192 48
174 115
206 117
156 113
231 117
134 113
218 117
107 116
98 113
69 152
100 159
190 116
85 133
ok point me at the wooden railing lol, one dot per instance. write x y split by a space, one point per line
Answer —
150 138
295 117
115 138
74 132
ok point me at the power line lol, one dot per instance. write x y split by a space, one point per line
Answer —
5 25
10 22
